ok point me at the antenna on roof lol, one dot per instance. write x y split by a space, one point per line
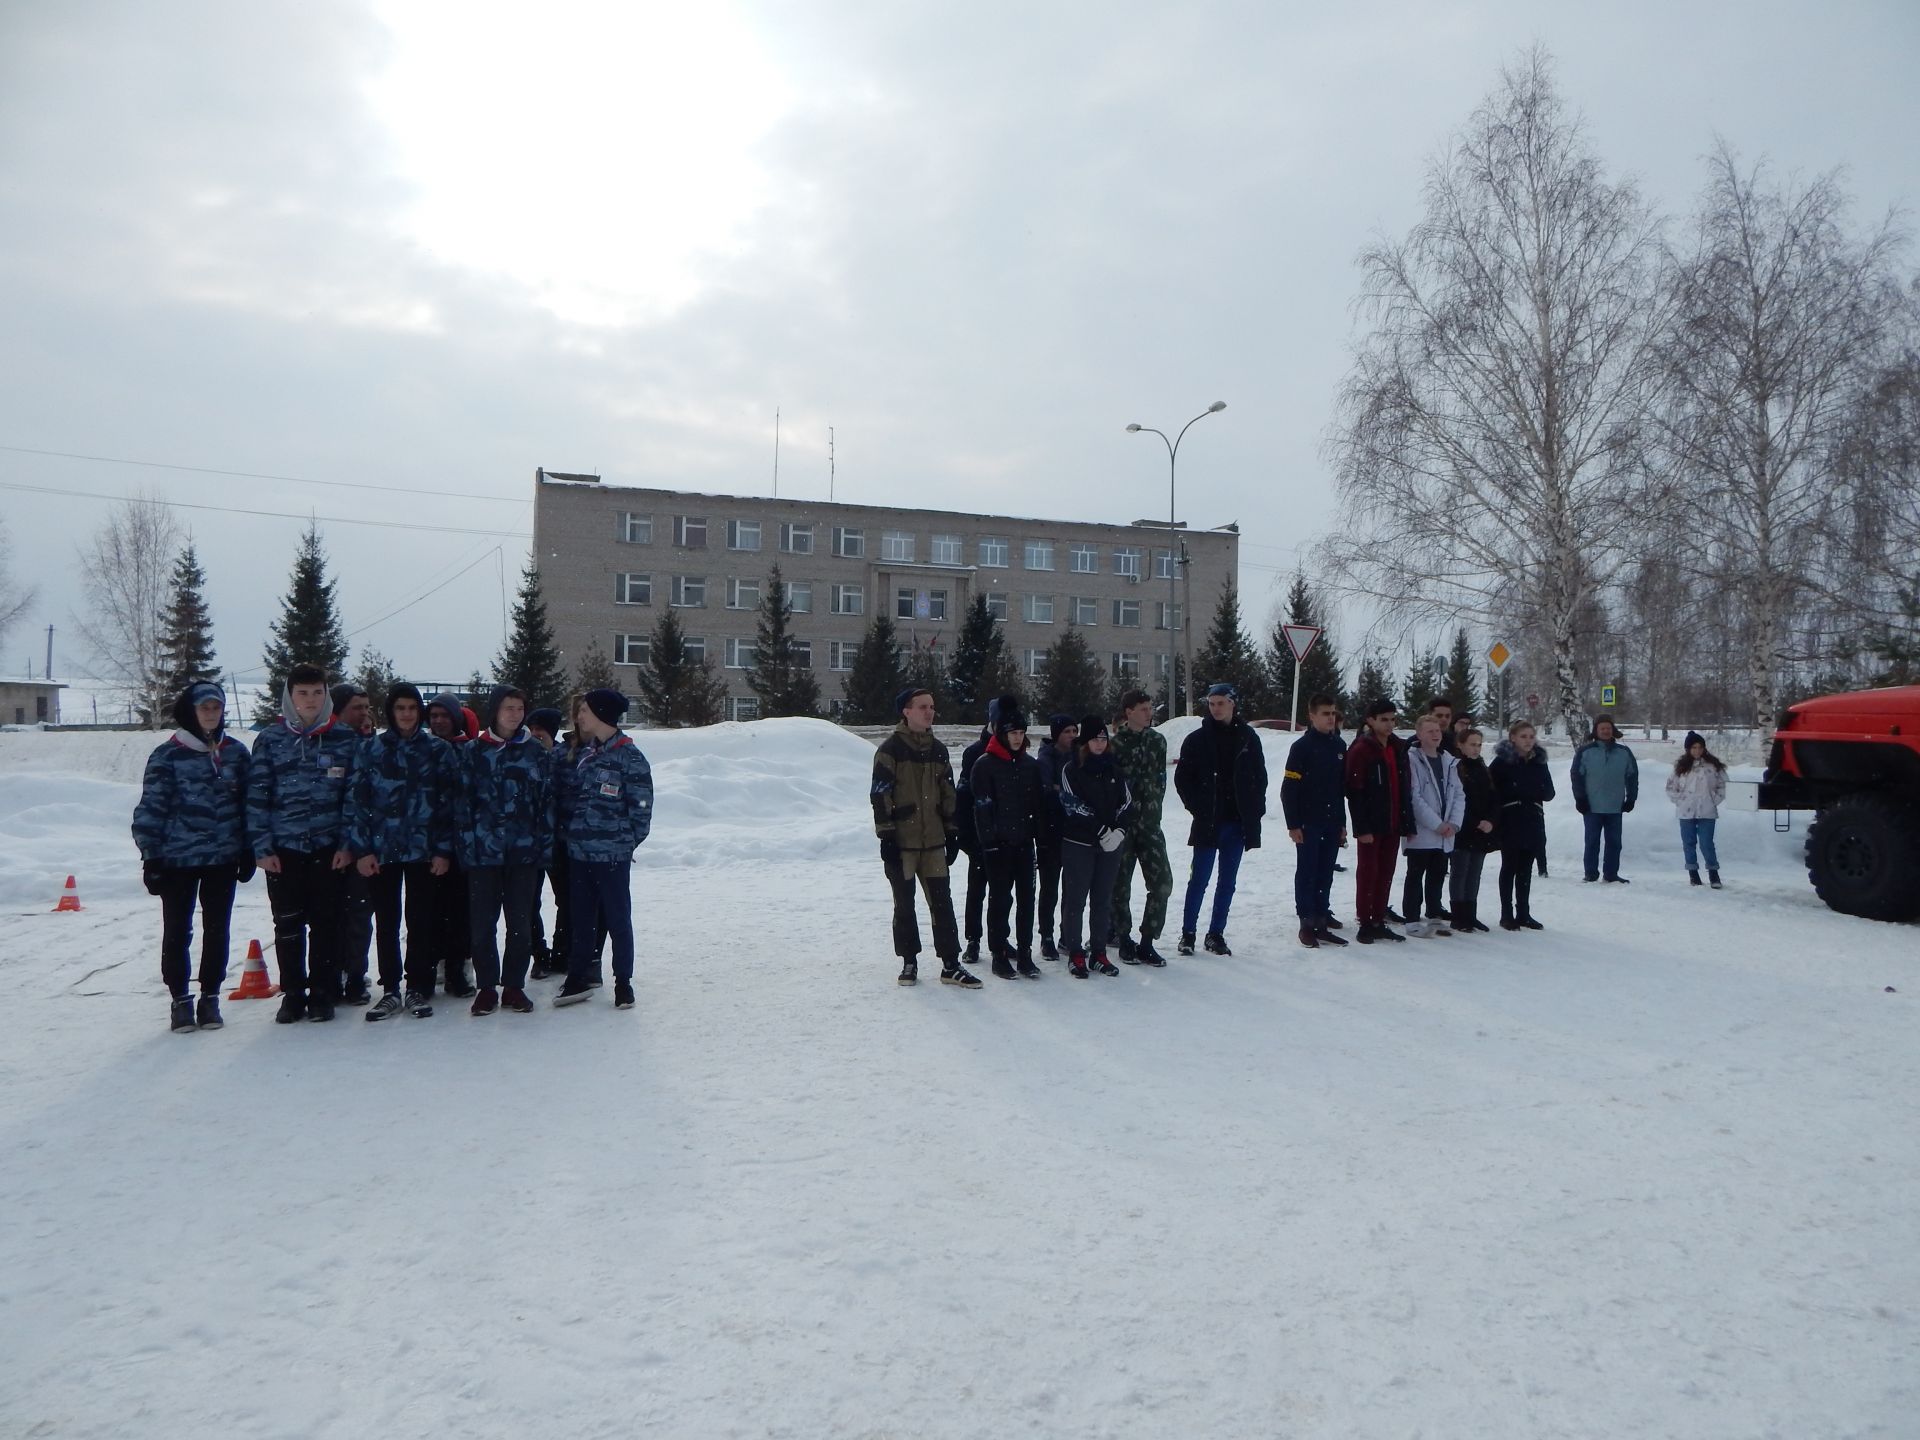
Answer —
829 462
776 452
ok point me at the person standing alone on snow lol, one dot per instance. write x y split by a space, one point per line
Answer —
1141 752
191 830
1313 799
1377 788
1094 801
1522 785
1606 782
607 801
503 826
1007 800
1696 788
915 815
1221 778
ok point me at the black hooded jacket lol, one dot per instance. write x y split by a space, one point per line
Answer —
1198 779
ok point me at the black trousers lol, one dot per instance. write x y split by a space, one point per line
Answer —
976 894
412 883
1516 883
492 889
560 876
1049 857
1009 873
929 867
212 886
356 939
452 933
1089 873
1426 873
308 897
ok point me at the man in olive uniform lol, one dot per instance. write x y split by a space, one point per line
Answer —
913 814
1142 753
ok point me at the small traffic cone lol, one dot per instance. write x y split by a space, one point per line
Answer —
253 980
69 898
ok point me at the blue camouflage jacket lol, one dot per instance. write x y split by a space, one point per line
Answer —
403 789
503 806
193 803
606 799
297 784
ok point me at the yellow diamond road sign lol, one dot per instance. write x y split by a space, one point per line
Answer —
1498 656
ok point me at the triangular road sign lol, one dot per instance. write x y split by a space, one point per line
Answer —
1300 639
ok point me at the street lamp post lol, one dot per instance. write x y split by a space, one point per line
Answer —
1173 455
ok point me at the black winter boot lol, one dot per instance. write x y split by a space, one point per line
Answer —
1693 877
1713 877
1003 967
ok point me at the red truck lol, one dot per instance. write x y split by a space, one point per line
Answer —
1854 759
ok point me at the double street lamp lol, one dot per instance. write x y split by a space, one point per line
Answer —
1173 455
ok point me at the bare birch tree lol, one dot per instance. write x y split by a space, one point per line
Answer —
125 568
1780 322
1490 433
14 599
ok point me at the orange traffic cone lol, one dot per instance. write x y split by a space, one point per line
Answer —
253 980
69 898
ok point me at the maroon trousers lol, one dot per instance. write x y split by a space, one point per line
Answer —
1373 880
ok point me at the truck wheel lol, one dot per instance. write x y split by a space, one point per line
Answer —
1863 856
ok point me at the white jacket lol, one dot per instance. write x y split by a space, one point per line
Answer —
1435 803
1698 793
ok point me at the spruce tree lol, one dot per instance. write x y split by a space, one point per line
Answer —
1462 666
1072 681
1162 694
675 688
186 629
308 631
530 660
973 650
1228 655
1375 683
784 685
926 670
879 673
1320 675
596 671
375 676
1421 685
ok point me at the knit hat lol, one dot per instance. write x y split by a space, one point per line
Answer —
344 694
1694 737
1057 723
607 705
1093 728
402 690
546 719
1223 688
1008 717
905 698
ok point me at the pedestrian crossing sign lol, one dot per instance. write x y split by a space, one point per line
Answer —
1609 695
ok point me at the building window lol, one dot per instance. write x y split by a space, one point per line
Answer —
903 602
946 550
740 654
1126 561
799 596
997 606
1084 559
1039 554
936 605
911 604
802 652
632 589
1163 564
796 539
690 591
743 594
636 529
896 545
1037 609
1086 610
840 654
993 554
1160 612
746 707
1125 662
1127 612
1036 663
848 542
696 649
743 534
690 532
632 649
849 600
1160 663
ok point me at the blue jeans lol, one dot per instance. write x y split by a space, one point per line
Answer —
1601 827
602 896
1700 833
1229 845
1313 861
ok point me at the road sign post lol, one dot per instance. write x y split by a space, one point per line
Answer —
1609 696
1300 640
1499 657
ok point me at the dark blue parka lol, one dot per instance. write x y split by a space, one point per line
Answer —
403 790
1313 791
605 798
1521 788
503 808
297 783
193 797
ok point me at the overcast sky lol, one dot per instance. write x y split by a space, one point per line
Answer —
427 247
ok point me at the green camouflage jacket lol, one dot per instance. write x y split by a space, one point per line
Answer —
1143 759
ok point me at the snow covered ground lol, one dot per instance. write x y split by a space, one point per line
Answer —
1652 1172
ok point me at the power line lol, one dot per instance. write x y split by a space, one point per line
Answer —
270 514
260 475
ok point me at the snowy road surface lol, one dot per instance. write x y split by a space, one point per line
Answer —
1653 1172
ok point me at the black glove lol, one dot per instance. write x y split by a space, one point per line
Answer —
889 851
1627 809
1581 806
152 874
953 848
243 872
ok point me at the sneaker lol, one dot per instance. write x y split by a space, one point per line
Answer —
1332 922
1395 917
622 995
972 953
516 1001
1713 879
957 974
484 1003
1618 880
598 979
319 1008
387 1006
1217 943
1541 866
1395 936
1185 947
541 969
573 992
356 994
419 1004
1527 922
1098 961
1591 879
1048 950
459 989
1025 968
1124 948
1367 934
1077 966
909 972
1145 954
1507 922
1327 937
1693 878
292 1007
1308 938
208 1015
1002 968
183 1022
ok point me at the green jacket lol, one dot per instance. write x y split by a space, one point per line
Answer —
912 791
1143 760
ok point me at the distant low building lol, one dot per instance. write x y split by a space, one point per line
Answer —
30 702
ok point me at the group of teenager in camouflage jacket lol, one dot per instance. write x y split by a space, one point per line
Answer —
444 821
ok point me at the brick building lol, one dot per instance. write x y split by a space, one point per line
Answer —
610 556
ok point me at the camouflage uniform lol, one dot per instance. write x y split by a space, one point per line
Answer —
402 816
1143 760
606 812
503 819
914 814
